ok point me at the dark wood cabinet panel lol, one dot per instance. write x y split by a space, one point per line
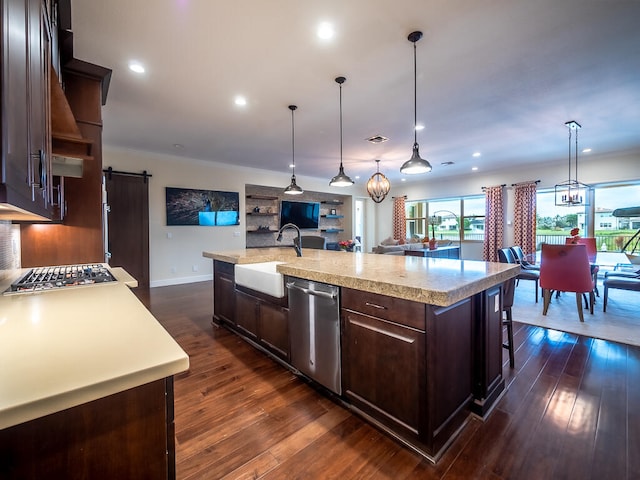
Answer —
24 98
125 435
417 382
488 379
223 292
383 369
247 314
404 312
274 329
264 320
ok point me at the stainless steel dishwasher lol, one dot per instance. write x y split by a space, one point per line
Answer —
314 326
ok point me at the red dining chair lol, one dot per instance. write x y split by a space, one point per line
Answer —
566 268
590 242
592 253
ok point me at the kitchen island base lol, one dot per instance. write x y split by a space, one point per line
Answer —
125 435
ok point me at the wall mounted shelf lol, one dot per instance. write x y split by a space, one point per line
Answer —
332 216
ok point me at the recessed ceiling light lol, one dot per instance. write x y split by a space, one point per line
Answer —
377 139
357 177
476 154
291 165
240 100
136 67
178 145
419 127
474 168
403 179
586 150
325 31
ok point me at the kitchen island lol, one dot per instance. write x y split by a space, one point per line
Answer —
86 377
421 338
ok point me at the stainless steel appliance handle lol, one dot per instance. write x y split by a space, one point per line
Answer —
315 293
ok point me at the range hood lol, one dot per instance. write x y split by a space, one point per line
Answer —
68 146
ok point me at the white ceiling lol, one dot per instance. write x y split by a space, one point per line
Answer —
496 76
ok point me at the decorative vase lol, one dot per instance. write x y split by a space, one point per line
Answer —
433 244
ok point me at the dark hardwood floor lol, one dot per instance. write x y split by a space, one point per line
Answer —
571 411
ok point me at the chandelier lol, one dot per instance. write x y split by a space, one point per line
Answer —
378 185
572 193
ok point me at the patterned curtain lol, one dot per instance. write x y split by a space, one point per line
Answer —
524 219
493 223
399 219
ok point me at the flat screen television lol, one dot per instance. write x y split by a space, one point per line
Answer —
301 214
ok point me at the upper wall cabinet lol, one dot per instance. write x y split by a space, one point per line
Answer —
25 128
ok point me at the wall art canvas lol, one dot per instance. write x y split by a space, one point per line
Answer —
210 208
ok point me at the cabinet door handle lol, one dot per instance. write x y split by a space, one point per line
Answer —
379 307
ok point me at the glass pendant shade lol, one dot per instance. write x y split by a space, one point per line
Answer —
572 193
293 188
378 186
415 164
341 179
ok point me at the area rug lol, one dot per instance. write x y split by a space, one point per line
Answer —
620 323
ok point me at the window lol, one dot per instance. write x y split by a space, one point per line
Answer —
612 233
473 217
416 218
444 218
554 223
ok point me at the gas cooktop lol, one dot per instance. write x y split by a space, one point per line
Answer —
48 278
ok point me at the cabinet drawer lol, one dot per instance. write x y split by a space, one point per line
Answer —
403 312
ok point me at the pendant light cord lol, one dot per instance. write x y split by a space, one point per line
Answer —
293 145
340 125
569 154
415 96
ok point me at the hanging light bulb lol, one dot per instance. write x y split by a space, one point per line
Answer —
341 179
293 188
572 193
415 164
378 185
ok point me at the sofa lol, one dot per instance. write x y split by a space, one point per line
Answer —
390 246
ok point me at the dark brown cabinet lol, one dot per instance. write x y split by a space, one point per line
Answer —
408 365
25 136
130 434
223 292
263 319
383 369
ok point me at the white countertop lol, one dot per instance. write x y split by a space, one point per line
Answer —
61 348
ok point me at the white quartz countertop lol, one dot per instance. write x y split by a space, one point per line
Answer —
64 347
436 281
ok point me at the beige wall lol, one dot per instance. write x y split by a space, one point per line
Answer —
175 253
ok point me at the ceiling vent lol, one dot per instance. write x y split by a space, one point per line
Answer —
377 139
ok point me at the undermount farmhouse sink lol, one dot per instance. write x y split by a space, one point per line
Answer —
261 277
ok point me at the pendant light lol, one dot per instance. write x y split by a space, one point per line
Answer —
415 164
293 188
378 185
572 193
341 179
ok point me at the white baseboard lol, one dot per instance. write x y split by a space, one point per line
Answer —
178 281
